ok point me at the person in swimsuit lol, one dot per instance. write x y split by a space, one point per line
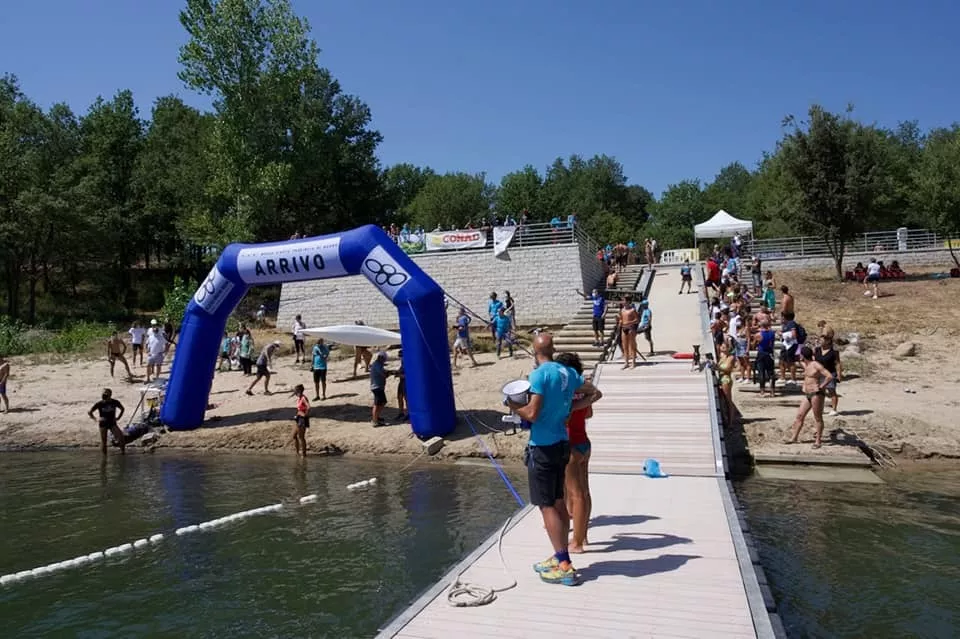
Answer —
816 378
787 301
742 352
110 411
576 479
263 368
829 357
301 421
725 364
4 376
361 353
629 321
116 348
401 389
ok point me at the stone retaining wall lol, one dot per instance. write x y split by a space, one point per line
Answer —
541 279
934 257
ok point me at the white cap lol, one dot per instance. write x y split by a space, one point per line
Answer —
153 322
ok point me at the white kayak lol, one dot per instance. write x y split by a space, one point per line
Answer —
354 335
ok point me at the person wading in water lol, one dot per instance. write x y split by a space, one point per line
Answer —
816 379
110 411
301 421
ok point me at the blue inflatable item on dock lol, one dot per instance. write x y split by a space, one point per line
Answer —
651 468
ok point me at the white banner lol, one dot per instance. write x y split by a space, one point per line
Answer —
502 236
448 240
213 291
291 261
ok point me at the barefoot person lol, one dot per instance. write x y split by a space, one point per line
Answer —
110 411
301 421
378 388
599 315
576 486
4 376
629 321
263 368
816 378
116 348
725 364
552 387
829 357
361 354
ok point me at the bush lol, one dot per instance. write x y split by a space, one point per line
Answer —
175 299
18 339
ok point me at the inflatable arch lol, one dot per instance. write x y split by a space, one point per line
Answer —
366 250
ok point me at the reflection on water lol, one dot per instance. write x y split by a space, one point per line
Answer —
337 568
856 560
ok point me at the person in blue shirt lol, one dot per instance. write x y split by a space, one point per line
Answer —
686 276
599 315
646 323
226 346
461 345
493 309
502 325
766 343
320 354
378 387
552 387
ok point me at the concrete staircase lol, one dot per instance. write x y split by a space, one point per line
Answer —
577 335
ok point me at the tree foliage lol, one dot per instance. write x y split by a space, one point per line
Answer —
936 177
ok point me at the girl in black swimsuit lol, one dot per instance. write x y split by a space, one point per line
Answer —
828 357
110 411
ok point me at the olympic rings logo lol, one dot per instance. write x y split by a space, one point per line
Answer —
385 274
207 288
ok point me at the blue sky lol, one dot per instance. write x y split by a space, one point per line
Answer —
674 89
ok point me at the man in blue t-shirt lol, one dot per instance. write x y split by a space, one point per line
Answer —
599 315
493 309
320 354
502 323
646 323
552 387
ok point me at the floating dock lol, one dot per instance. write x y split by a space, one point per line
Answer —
667 557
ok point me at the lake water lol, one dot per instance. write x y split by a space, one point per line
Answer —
337 568
858 560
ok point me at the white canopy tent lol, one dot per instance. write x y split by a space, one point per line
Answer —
722 224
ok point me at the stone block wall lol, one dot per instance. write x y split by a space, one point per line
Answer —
541 279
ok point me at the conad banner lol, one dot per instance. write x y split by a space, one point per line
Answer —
456 240
502 236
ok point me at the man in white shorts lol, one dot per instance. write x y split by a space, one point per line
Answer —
461 344
156 348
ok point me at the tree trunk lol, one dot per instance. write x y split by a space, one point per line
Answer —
32 291
953 254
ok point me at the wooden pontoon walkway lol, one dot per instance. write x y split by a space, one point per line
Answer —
666 556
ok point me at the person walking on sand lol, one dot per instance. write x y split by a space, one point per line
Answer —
552 387
461 345
116 348
829 357
297 332
320 354
263 368
137 334
493 309
872 279
301 421
246 351
816 379
109 413
576 485
502 325
156 349
4 376
686 277
378 388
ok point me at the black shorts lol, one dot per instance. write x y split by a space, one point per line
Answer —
138 348
789 355
646 332
598 324
108 424
263 370
402 387
686 277
319 375
379 397
303 421
546 471
713 284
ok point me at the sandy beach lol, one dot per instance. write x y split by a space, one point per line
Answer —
49 403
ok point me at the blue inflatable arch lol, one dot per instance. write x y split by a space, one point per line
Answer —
366 250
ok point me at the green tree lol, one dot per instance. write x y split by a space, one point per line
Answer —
680 208
729 190
452 200
937 181
638 204
401 184
520 191
840 171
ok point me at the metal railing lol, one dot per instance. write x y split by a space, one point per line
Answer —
874 242
527 235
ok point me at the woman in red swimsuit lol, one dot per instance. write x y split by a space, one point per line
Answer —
576 482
